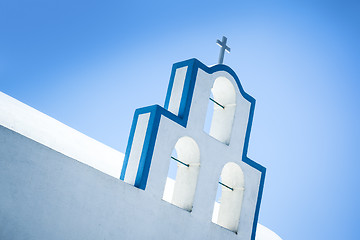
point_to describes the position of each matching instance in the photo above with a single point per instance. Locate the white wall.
(35, 125)
(214, 154)
(57, 183)
(47, 195)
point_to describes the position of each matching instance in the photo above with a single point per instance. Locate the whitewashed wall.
(57, 183)
(41, 128)
(214, 154)
(47, 195)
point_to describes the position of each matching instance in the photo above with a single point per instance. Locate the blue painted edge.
(188, 88)
(157, 111)
(150, 137)
(261, 188)
(129, 144)
(142, 169)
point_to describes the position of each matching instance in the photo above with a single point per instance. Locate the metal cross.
(223, 46)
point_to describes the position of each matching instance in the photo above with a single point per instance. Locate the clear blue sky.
(90, 64)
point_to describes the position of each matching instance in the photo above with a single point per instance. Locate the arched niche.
(185, 163)
(227, 211)
(221, 110)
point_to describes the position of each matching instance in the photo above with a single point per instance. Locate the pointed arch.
(181, 190)
(227, 211)
(221, 110)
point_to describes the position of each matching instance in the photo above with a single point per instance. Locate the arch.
(221, 110)
(226, 213)
(181, 190)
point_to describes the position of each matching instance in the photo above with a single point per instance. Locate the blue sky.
(90, 64)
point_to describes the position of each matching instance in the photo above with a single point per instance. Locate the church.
(185, 173)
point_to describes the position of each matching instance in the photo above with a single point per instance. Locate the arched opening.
(183, 173)
(227, 207)
(221, 110)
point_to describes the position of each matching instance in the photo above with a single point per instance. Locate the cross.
(223, 46)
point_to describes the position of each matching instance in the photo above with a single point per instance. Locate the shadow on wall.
(221, 110)
(187, 157)
(226, 212)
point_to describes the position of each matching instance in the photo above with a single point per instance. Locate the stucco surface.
(238, 214)
(47, 195)
(38, 126)
(57, 183)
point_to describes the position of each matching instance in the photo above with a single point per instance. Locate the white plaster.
(177, 90)
(231, 200)
(136, 149)
(222, 120)
(214, 155)
(35, 125)
(263, 233)
(169, 189)
(48, 195)
(215, 214)
(186, 177)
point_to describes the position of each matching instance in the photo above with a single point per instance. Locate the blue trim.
(155, 115)
(129, 145)
(261, 188)
(148, 148)
(188, 88)
(156, 112)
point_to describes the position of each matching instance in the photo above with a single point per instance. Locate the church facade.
(71, 187)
